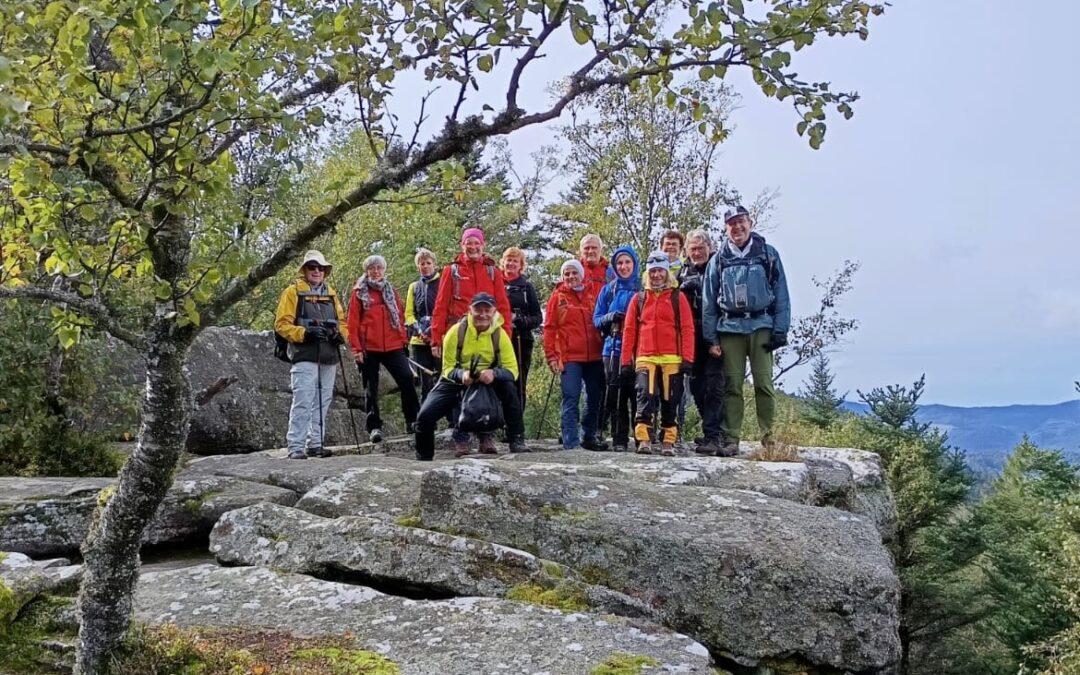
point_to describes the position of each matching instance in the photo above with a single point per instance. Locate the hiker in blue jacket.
(608, 318)
(746, 314)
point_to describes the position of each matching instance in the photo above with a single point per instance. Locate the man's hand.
(555, 365)
(714, 350)
(487, 376)
(778, 340)
(337, 339)
(315, 333)
(466, 378)
(436, 351)
(359, 356)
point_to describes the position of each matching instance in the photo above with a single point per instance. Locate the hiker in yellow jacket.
(477, 336)
(310, 318)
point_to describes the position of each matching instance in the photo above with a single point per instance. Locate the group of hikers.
(629, 338)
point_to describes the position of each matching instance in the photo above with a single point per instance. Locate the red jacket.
(456, 291)
(596, 272)
(369, 328)
(569, 332)
(653, 334)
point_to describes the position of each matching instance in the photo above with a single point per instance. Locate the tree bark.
(111, 549)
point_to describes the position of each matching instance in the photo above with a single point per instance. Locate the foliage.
(821, 405)
(1060, 654)
(21, 650)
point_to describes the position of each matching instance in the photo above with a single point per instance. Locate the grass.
(561, 597)
(621, 663)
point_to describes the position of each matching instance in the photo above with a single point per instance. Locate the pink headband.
(472, 232)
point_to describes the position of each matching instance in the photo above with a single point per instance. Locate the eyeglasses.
(314, 268)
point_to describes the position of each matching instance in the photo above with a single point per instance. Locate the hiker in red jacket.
(573, 349)
(377, 336)
(471, 272)
(658, 345)
(591, 256)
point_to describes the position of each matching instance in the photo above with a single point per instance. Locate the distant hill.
(989, 433)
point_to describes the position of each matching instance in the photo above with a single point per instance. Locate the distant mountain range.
(987, 434)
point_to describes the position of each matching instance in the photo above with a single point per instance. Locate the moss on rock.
(565, 597)
(621, 663)
(349, 661)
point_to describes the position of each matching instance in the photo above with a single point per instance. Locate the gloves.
(617, 317)
(778, 340)
(337, 339)
(315, 333)
(626, 375)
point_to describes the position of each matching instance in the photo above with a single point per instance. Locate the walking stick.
(543, 411)
(348, 399)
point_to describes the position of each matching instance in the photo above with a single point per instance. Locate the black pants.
(422, 355)
(446, 396)
(523, 350)
(707, 388)
(619, 403)
(664, 393)
(397, 364)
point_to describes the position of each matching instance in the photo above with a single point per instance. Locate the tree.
(821, 405)
(122, 125)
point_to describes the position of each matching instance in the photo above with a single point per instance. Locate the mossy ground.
(621, 663)
(170, 650)
(564, 597)
(21, 649)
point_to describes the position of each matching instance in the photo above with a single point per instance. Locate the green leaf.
(705, 73)
(485, 63)
(581, 34)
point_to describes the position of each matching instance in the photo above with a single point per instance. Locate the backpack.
(463, 328)
(456, 277)
(771, 273)
(281, 345)
(641, 295)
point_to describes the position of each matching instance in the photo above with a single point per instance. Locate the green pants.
(737, 349)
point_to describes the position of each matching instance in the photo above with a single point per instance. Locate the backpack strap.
(491, 272)
(462, 328)
(675, 306)
(496, 362)
(456, 277)
(637, 324)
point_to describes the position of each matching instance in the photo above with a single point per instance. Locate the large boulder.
(404, 559)
(457, 636)
(750, 576)
(51, 516)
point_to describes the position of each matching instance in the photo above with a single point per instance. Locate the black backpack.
(281, 345)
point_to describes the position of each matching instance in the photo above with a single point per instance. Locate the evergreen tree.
(821, 404)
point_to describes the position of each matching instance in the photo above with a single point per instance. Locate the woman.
(658, 345)
(572, 347)
(377, 337)
(609, 317)
(471, 272)
(524, 311)
(419, 304)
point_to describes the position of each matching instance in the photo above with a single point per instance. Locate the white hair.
(699, 234)
(373, 260)
(589, 236)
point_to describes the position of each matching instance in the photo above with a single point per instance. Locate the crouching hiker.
(658, 345)
(476, 349)
(377, 337)
(310, 318)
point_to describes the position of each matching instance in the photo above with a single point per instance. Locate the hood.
(602, 262)
(634, 282)
(496, 323)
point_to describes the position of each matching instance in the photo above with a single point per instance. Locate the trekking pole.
(417, 366)
(543, 411)
(348, 399)
(521, 377)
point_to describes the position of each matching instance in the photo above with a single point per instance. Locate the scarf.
(363, 285)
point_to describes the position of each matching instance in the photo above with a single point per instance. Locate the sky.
(955, 187)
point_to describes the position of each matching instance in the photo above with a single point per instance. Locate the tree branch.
(98, 313)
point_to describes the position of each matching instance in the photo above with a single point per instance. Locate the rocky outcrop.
(51, 516)
(406, 559)
(457, 636)
(750, 576)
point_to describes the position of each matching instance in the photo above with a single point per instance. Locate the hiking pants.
(737, 349)
(707, 388)
(619, 403)
(658, 386)
(523, 351)
(422, 355)
(304, 415)
(397, 365)
(446, 396)
(576, 374)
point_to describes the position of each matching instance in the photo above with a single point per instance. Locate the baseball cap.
(482, 299)
(739, 210)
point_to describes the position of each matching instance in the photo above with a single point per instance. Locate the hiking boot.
(487, 446)
(518, 446)
(461, 448)
(319, 452)
(730, 448)
(297, 454)
(643, 448)
(667, 449)
(768, 442)
(375, 435)
(707, 448)
(620, 448)
(594, 444)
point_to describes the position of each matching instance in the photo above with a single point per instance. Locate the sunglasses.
(312, 268)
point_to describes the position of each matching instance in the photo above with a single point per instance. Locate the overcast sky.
(955, 185)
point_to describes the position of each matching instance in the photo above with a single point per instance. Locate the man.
(478, 336)
(746, 313)
(591, 257)
(658, 345)
(671, 243)
(707, 376)
(310, 317)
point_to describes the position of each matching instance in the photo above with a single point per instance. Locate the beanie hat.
(472, 232)
(657, 260)
(572, 264)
